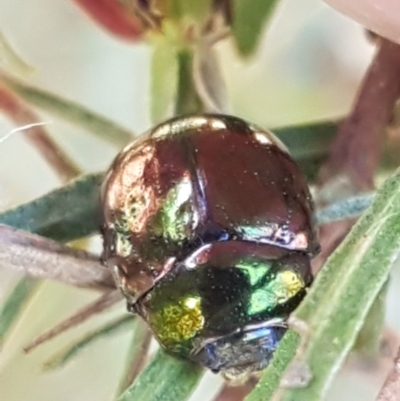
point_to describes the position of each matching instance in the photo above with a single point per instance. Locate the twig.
(104, 302)
(357, 146)
(346, 209)
(21, 114)
(356, 149)
(391, 389)
(77, 346)
(43, 258)
(235, 393)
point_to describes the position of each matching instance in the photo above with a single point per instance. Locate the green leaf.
(249, 19)
(10, 60)
(164, 79)
(369, 339)
(70, 352)
(164, 379)
(71, 112)
(309, 144)
(64, 214)
(14, 303)
(338, 303)
(271, 377)
(308, 140)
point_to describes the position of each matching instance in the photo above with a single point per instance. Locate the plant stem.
(391, 389)
(357, 146)
(187, 100)
(43, 258)
(235, 393)
(356, 149)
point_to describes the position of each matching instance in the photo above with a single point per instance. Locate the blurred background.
(307, 67)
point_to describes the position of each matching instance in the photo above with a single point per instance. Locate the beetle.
(209, 231)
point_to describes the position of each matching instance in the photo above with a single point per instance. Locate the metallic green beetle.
(209, 230)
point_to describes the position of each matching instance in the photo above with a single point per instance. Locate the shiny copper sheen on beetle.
(208, 227)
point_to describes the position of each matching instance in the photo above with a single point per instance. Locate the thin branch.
(391, 389)
(21, 114)
(235, 393)
(101, 304)
(43, 258)
(77, 346)
(346, 209)
(357, 146)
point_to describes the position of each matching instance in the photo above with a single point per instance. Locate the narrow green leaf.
(309, 144)
(164, 79)
(71, 112)
(308, 140)
(14, 303)
(10, 60)
(271, 377)
(369, 339)
(249, 20)
(77, 347)
(64, 214)
(165, 379)
(341, 298)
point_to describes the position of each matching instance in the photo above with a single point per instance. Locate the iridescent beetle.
(208, 227)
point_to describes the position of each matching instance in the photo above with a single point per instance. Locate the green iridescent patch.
(283, 286)
(177, 214)
(177, 323)
(193, 305)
